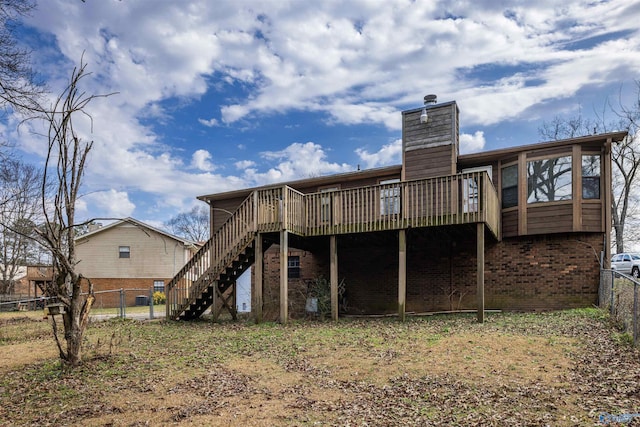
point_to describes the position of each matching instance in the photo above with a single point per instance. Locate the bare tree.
(192, 225)
(19, 208)
(626, 158)
(19, 88)
(66, 159)
(624, 155)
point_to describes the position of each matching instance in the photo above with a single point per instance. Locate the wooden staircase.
(220, 289)
(210, 275)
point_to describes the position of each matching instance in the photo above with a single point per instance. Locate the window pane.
(124, 251)
(158, 286)
(510, 176)
(591, 176)
(549, 180)
(293, 264)
(509, 197)
(510, 186)
(390, 198)
(470, 195)
(591, 165)
(389, 201)
(325, 207)
(590, 187)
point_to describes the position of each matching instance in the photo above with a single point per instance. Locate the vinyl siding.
(152, 254)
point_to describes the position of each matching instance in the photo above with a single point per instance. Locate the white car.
(626, 263)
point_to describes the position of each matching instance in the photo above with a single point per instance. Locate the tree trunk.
(75, 324)
(619, 238)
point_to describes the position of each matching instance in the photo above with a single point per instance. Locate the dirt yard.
(557, 369)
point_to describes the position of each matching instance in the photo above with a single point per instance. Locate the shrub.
(320, 289)
(159, 298)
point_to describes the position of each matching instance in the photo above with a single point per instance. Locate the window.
(510, 186)
(293, 264)
(158, 286)
(325, 208)
(125, 251)
(390, 198)
(470, 198)
(471, 187)
(549, 180)
(591, 176)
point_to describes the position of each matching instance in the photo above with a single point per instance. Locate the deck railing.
(448, 200)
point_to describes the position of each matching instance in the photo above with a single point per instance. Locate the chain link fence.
(122, 303)
(618, 293)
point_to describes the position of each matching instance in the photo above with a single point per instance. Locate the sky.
(214, 96)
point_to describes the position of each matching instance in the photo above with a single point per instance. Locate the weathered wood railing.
(447, 200)
(203, 268)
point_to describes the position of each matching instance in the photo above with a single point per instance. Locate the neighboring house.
(13, 278)
(35, 280)
(521, 228)
(130, 255)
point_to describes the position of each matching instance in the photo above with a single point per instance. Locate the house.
(521, 228)
(12, 279)
(35, 280)
(130, 255)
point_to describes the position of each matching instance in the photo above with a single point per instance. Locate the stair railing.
(206, 265)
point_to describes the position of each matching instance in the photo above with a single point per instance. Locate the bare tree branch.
(625, 156)
(66, 157)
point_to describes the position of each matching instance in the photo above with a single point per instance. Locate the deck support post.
(215, 308)
(333, 273)
(258, 276)
(480, 270)
(402, 273)
(284, 276)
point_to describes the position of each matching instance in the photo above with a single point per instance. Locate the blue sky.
(216, 96)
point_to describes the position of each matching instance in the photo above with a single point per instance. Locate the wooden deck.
(468, 198)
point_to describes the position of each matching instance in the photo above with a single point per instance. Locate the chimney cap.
(430, 99)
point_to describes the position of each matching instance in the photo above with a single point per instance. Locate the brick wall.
(521, 273)
(311, 265)
(130, 286)
(544, 272)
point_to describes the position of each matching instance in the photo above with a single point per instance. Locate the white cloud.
(471, 143)
(107, 204)
(213, 122)
(359, 62)
(296, 161)
(201, 160)
(389, 154)
(244, 164)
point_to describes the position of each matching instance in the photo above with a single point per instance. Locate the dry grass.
(517, 369)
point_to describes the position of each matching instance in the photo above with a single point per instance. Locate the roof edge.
(614, 136)
(345, 176)
(138, 223)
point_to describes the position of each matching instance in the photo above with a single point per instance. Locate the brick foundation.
(528, 273)
(311, 265)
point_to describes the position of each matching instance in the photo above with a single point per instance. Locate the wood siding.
(151, 254)
(430, 149)
(592, 216)
(510, 223)
(429, 163)
(543, 218)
